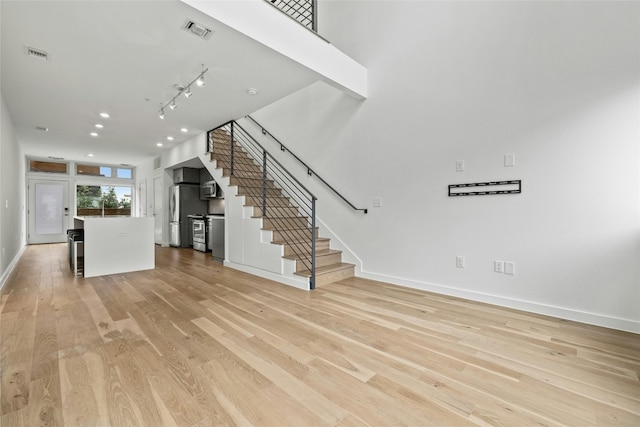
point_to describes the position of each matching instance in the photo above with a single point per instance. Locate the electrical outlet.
(510, 268)
(460, 261)
(459, 165)
(498, 266)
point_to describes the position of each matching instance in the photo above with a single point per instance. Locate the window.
(126, 173)
(50, 167)
(103, 200)
(105, 171)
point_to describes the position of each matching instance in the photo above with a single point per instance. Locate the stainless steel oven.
(200, 235)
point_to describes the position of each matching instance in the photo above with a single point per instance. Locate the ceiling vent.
(42, 128)
(197, 29)
(36, 53)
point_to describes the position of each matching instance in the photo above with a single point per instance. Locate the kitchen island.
(117, 244)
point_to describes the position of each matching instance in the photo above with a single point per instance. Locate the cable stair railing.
(286, 206)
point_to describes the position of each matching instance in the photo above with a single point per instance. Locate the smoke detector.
(197, 29)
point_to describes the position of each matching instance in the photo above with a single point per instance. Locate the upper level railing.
(303, 11)
(286, 206)
(310, 171)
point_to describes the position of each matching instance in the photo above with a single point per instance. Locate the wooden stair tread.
(324, 252)
(326, 269)
(296, 241)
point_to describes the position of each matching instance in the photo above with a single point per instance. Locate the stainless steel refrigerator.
(183, 200)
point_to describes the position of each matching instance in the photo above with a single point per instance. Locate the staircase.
(279, 213)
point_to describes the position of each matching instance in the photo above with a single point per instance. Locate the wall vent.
(36, 53)
(197, 29)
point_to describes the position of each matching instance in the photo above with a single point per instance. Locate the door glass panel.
(49, 209)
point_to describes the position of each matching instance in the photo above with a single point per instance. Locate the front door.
(48, 211)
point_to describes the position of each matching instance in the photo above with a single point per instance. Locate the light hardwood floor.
(192, 343)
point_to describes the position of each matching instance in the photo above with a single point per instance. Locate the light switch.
(509, 160)
(459, 165)
(510, 268)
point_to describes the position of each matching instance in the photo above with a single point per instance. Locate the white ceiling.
(124, 58)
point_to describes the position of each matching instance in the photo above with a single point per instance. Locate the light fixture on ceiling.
(90, 155)
(169, 138)
(99, 125)
(185, 130)
(252, 91)
(94, 134)
(105, 115)
(183, 90)
(159, 144)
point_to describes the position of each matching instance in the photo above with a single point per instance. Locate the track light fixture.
(186, 91)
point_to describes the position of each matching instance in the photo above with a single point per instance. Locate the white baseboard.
(627, 325)
(10, 267)
(300, 283)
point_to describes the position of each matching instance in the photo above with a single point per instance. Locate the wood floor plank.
(79, 405)
(192, 343)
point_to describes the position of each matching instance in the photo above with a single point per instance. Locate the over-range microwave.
(208, 190)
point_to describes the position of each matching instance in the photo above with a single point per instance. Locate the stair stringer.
(248, 247)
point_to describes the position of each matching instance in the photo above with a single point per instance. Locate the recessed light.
(169, 138)
(94, 134)
(105, 115)
(159, 144)
(90, 155)
(99, 126)
(184, 130)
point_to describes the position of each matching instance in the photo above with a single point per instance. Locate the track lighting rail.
(186, 91)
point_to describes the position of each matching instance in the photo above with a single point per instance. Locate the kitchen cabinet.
(205, 176)
(186, 176)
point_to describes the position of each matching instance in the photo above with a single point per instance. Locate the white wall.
(555, 83)
(12, 195)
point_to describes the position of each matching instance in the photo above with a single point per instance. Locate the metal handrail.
(310, 171)
(273, 190)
